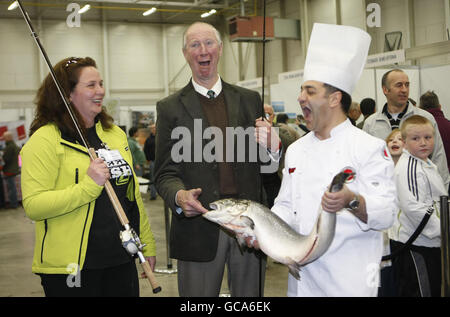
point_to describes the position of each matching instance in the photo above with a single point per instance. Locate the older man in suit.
(188, 181)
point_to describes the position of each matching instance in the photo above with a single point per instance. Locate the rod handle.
(150, 276)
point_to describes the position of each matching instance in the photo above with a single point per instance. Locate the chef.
(366, 205)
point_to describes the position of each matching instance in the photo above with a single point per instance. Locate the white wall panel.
(179, 71)
(135, 55)
(353, 13)
(436, 79)
(61, 42)
(18, 56)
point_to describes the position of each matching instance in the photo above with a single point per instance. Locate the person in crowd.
(417, 269)
(290, 133)
(78, 250)
(189, 185)
(11, 168)
(136, 152)
(271, 181)
(354, 112)
(367, 203)
(429, 101)
(395, 144)
(395, 84)
(287, 134)
(149, 151)
(2, 194)
(367, 107)
(387, 287)
(300, 121)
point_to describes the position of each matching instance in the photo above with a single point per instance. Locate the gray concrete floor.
(16, 254)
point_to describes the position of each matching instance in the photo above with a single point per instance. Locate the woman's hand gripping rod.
(130, 240)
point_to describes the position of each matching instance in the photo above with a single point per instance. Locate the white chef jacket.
(350, 267)
(419, 187)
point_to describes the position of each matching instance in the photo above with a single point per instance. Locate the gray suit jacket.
(195, 238)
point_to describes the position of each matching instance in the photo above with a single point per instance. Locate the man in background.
(395, 84)
(367, 107)
(429, 101)
(136, 152)
(354, 112)
(11, 168)
(149, 151)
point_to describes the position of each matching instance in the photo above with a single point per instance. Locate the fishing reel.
(130, 241)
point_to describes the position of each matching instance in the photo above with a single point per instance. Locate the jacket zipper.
(43, 240)
(82, 235)
(76, 175)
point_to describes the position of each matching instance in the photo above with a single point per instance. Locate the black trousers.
(118, 281)
(417, 271)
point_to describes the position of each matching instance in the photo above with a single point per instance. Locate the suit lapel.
(191, 103)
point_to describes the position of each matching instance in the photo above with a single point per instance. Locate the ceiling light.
(207, 14)
(148, 12)
(13, 5)
(84, 9)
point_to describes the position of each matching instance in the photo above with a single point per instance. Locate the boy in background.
(419, 186)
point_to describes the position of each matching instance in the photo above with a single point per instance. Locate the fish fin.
(248, 221)
(294, 268)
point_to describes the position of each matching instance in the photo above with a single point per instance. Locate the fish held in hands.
(275, 237)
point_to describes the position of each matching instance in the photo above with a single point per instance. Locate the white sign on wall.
(296, 74)
(383, 59)
(251, 83)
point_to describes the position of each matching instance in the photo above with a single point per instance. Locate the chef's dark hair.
(346, 99)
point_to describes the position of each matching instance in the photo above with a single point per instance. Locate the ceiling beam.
(195, 3)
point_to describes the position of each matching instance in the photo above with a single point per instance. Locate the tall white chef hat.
(336, 55)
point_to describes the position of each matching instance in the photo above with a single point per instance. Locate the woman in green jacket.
(78, 251)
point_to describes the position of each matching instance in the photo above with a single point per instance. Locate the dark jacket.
(149, 148)
(195, 239)
(11, 159)
(444, 130)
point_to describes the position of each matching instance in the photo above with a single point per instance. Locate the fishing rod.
(261, 263)
(263, 57)
(130, 239)
(445, 250)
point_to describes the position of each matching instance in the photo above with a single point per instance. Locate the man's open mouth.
(306, 112)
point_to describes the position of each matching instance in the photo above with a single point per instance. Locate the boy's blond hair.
(415, 119)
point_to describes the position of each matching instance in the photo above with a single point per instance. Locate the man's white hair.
(217, 33)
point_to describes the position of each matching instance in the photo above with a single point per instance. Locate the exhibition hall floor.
(16, 254)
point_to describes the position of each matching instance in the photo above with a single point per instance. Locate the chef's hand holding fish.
(336, 201)
(188, 201)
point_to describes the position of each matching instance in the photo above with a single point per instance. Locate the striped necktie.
(211, 94)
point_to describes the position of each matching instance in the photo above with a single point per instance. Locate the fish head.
(227, 211)
(340, 179)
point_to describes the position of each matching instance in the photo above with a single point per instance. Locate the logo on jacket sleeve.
(291, 170)
(386, 154)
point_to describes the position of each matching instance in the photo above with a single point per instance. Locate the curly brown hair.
(50, 106)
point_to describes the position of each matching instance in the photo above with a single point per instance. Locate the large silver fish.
(275, 237)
